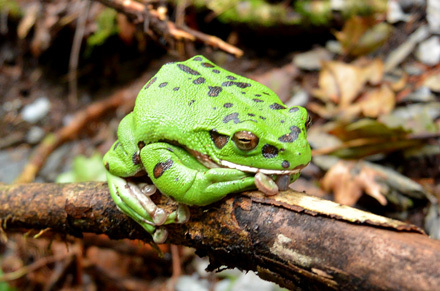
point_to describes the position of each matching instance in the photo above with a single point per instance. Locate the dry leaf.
(349, 180)
(373, 72)
(341, 82)
(378, 101)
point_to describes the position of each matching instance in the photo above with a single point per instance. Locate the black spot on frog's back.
(207, 65)
(232, 116)
(188, 70)
(214, 91)
(277, 106)
(150, 83)
(238, 84)
(199, 80)
(292, 136)
(293, 109)
(228, 105)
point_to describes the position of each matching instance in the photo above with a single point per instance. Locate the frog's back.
(198, 95)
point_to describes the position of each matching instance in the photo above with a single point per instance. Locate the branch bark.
(287, 238)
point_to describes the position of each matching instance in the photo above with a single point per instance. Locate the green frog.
(201, 132)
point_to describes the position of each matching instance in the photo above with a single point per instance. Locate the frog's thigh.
(165, 166)
(179, 175)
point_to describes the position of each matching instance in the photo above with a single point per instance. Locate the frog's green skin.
(200, 133)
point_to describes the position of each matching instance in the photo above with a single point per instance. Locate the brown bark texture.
(296, 246)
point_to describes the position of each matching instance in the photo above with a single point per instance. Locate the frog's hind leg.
(134, 199)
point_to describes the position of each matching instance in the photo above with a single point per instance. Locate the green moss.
(11, 7)
(107, 26)
(302, 13)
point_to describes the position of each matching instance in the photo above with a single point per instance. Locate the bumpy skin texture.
(201, 132)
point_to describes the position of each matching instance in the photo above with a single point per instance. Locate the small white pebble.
(428, 51)
(34, 135)
(36, 111)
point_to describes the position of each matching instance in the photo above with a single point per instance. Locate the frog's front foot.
(134, 200)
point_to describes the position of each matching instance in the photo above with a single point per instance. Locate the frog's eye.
(308, 122)
(245, 140)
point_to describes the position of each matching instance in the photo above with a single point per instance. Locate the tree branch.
(158, 23)
(292, 239)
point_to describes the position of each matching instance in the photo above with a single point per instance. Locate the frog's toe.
(147, 189)
(159, 216)
(183, 213)
(160, 235)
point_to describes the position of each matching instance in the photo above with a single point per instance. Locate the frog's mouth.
(249, 169)
(209, 163)
(268, 181)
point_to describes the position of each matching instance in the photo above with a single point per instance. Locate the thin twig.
(76, 48)
(34, 266)
(135, 10)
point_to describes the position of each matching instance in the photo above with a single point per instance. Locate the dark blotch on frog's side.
(199, 80)
(282, 121)
(262, 117)
(176, 88)
(220, 140)
(197, 59)
(163, 84)
(136, 159)
(266, 93)
(238, 84)
(141, 144)
(207, 65)
(216, 71)
(232, 116)
(258, 95)
(293, 109)
(150, 83)
(285, 164)
(191, 102)
(251, 114)
(231, 78)
(257, 100)
(277, 106)
(214, 91)
(116, 145)
(269, 151)
(160, 168)
(292, 136)
(188, 70)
